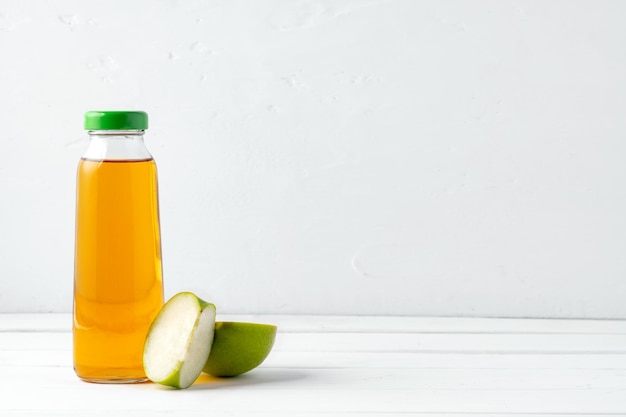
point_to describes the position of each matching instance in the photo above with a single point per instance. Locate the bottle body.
(118, 285)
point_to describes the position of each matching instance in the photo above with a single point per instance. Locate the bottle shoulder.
(117, 148)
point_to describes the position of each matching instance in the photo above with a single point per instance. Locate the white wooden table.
(347, 366)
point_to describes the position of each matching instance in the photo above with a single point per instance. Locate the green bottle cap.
(116, 120)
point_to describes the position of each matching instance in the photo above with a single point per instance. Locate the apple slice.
(239, 347)
(179, 341)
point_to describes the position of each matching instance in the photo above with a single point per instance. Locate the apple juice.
(118, 288)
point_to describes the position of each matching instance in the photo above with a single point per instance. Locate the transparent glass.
(118, 284)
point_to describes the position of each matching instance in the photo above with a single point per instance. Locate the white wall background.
(346, 157)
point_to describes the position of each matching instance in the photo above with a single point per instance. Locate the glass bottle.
(118, 285)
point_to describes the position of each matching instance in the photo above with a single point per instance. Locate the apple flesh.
(179, 341)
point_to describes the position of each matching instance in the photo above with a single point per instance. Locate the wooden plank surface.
(347, 366)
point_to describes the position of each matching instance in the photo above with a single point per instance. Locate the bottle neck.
(116, 145)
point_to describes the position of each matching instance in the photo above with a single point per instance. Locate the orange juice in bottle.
(118, 284)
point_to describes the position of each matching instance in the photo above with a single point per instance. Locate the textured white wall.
(348, 156)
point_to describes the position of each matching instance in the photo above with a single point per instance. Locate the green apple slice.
(179, 341)
(239, 347)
